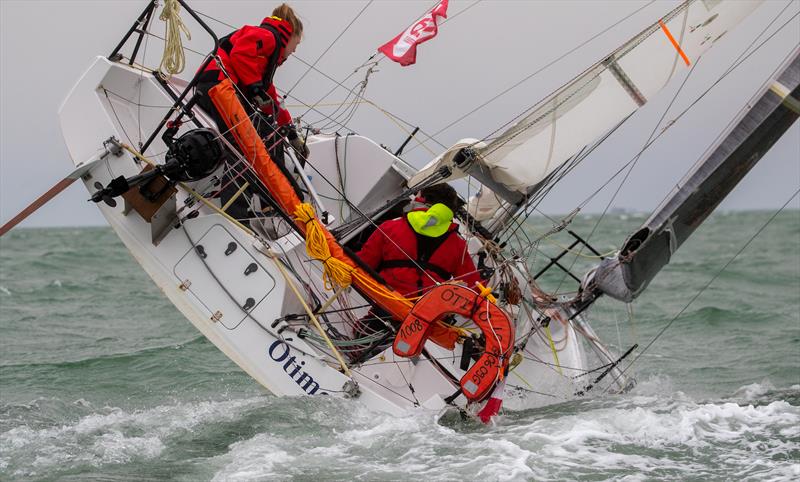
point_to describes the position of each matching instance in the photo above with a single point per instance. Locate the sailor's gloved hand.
(260, 101)
(298, 143)
(257, 95)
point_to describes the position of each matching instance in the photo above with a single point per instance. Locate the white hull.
(211, 291)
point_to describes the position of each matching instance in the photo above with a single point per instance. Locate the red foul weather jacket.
(392, 247)
(250, 55)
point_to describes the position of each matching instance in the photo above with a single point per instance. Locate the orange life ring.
(493, 322)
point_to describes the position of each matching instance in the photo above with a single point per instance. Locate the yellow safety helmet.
(432, 223)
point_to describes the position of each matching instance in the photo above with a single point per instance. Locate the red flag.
(494, 403)
(403, 48)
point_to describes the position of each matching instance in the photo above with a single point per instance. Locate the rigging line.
(521, 388)
(410, 386)
(141, 79)
(559, 174)
(713, 278)
(338, 83)
(340, 111)
(314, 109)
(329, 47)
(350, 204)
(764, 30)
(382, 57)
(633, 165)
(131, 102)
(356, 372)
(366, 99)
(521, 216)
(296, 57)
(408, 133)
(354, 106)
(682, 113)
(372, 56)
(116, 116)
(151, 34)
(727, 71)
(348, 108)
(545, 67)
(453, 17)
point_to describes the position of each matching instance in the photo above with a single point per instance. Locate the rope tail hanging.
(337, 272)
(174, 60)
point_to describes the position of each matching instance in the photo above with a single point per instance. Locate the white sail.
(592, 104)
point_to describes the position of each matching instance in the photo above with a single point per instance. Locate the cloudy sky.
(484, 48)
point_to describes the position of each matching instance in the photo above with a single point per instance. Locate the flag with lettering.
(403, 48)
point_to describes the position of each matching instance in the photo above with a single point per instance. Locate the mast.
(775, 108)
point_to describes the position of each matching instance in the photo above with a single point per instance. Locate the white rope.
(174, 61)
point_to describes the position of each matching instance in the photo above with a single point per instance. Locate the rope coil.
(336, 273)
(174, 60)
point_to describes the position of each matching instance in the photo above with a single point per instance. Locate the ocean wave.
(110, 436)
(112, 359)
(637, 437)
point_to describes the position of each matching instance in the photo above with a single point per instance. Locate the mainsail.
(608, 92)
(759, 126)
(519, 162)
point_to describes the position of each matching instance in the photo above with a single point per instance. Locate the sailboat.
(283, 294)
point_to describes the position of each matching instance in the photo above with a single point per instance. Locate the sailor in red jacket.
(415, 252)
(250, 56)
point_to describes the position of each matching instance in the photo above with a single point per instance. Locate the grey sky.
(46, 45)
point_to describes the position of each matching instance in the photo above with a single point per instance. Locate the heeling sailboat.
(290, 324)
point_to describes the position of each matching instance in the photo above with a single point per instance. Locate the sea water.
(102, 379)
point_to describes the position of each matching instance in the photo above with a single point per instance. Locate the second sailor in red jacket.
(415, 252)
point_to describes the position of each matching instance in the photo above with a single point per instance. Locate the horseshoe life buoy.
(493, 322)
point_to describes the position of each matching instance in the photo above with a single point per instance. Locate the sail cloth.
(582, 111)
(224, 97)
(649, 249)
(403, 48)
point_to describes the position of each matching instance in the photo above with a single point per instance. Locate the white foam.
(255, 458)
(637, 438)
(733, 432)
(753, 391)
(111, 437)
(5, 290)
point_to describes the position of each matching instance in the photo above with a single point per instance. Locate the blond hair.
(286, 12)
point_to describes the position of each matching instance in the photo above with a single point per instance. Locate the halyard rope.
(174, 61)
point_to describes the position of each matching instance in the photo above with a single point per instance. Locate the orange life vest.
(445, 299)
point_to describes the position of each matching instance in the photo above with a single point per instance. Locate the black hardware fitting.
(231, 248)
